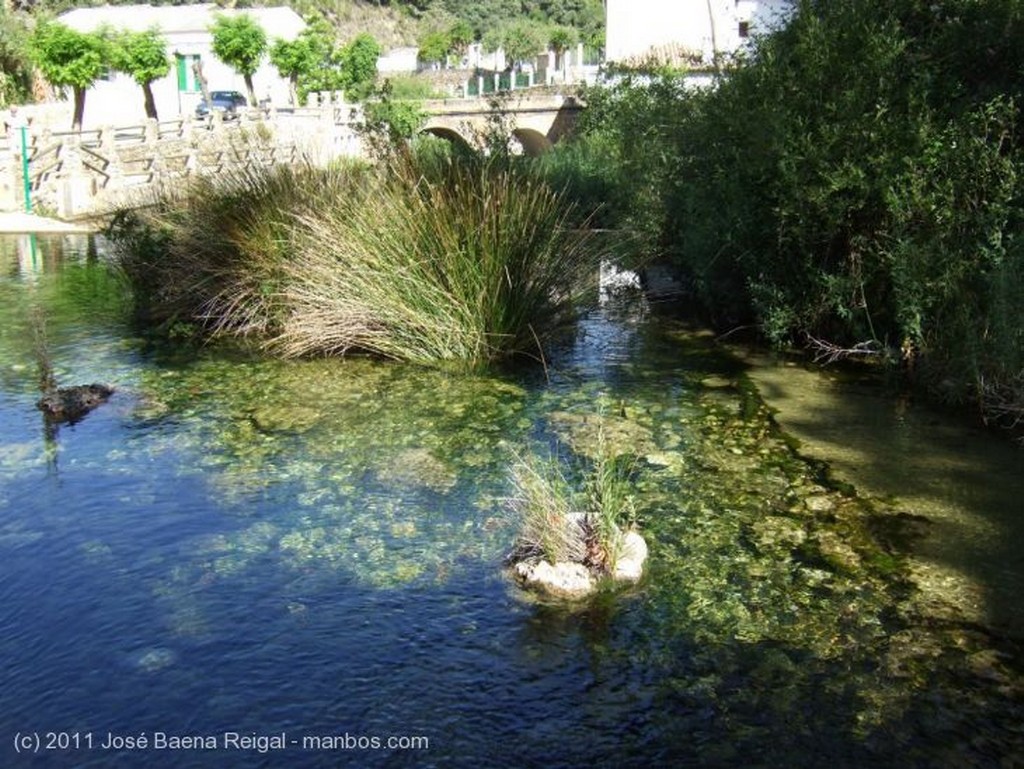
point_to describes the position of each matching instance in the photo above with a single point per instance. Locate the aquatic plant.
(542, 503)
(211, 253)
(583, 522)
(462, 261)
(475, 264)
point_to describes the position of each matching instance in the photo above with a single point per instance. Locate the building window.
(744, 29)
(187, 81)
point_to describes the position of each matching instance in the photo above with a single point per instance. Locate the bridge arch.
(533, 142)
(448, 134)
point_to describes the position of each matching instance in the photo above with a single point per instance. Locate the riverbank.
(15, 222)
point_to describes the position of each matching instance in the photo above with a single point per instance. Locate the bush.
(851, 185)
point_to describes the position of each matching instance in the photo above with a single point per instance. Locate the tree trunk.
(204, 87)
(293, 89)
(147, 92)
(714, 36)
(76, 120)
(251, 90)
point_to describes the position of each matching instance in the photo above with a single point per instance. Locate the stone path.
(16, 222)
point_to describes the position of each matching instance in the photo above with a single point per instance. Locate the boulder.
(563, 579)
(629, 565)
(69, 404)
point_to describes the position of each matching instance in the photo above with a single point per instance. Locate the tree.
(240, 42)
(358, 62)
(522, 41)
(143, 56)
(293, 59)
(15, 62)
(434, 47)
(69, 59)
(460, 35)
(561, 39)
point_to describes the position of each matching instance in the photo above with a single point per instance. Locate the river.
(243, 561)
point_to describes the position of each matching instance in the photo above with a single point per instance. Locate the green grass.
(451, 260)
(581, 520)
(474, 265)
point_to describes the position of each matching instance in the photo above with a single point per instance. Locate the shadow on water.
(314, 547)
(954, 490)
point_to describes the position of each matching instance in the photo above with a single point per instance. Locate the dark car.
(226, 102)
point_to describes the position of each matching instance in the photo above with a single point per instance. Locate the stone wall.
(79, 174)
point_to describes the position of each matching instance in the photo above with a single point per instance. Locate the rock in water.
(630, 563)
(563, 579)
(69, 404)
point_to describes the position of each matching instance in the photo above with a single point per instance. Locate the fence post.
(26, 182)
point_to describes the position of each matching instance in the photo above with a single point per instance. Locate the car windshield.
(225, 95)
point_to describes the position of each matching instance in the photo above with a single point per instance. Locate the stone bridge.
(535, 120)
(75, 174)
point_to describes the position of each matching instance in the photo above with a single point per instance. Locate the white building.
(118, 100)
(691, 29)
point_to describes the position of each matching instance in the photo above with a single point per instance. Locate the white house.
(639, 29)
(186, 28)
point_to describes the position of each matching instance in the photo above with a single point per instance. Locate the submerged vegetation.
(442, 261)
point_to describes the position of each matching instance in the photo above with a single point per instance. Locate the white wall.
(119, 100)
(634, 27)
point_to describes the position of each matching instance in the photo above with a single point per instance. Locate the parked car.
(226, 102)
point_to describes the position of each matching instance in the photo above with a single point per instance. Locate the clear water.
(314, 549)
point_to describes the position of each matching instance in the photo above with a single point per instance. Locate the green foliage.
(69, 58)
(295, 59)
(522, 40)
(212, 254)
(15, 58)
(470, 267)
(851, 184)
(561, 39)
(143, 56)
(434, 47)
(358, 63)
(240, 42)
(573, 512)
(472, 264)
(389, 122)
(413, 87)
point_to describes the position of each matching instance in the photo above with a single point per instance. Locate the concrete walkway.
(16, 222)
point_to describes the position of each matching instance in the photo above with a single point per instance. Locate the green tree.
(69, 59)
(143, 56)
(240, 42)
(389, 123)
(294, 59)
(560, 40)
(358, 63)
(460, 35)
(15, 60)
(522, 41)
(434, 47)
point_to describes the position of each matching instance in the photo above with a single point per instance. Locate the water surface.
(234, 544)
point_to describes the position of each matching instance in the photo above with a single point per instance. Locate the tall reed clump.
(212, 254)
(475, 263)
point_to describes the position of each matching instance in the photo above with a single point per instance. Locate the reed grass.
(583, 520)
(212, 252)
(475, 263)
(449, 260)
